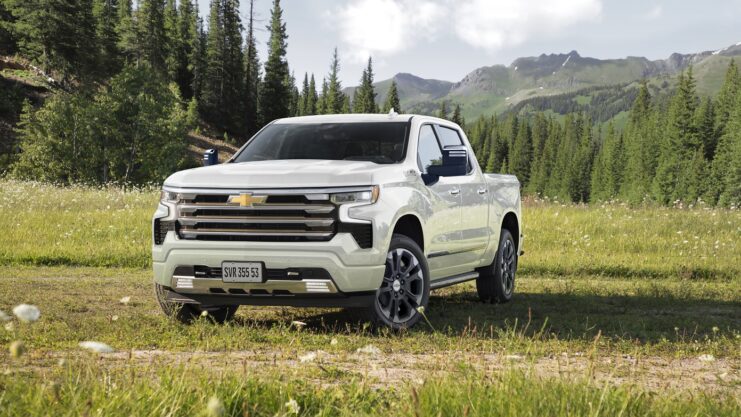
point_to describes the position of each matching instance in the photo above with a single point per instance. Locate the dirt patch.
(381, 369)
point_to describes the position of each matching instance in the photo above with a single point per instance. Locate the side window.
(428, 152)
(449, 137)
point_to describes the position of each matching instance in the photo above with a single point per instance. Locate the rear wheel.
(405, 286)
(496, 282)
(186, 313)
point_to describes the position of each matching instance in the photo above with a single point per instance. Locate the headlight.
(169, 197)
(369, 196)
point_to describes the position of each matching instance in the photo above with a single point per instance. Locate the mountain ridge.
(497, 88)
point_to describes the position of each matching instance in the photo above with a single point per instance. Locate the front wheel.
(186, 313)
(405, 287)
(496, 282)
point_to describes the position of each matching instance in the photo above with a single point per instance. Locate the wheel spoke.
(402, 288)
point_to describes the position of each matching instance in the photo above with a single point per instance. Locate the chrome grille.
(274, 217)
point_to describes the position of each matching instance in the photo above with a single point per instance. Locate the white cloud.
(654, 13)
(385, 27)
(370, 27)
(495, 24)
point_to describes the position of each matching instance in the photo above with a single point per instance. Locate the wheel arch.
(511, 222)
(410, 226)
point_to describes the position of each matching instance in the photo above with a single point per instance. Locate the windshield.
(382, 143)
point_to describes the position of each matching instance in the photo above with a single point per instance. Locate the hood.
(277, 174)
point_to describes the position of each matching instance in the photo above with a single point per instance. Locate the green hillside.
(534, 82)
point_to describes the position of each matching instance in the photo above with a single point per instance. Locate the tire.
(187, 313)
(405, 286)
(496, 282)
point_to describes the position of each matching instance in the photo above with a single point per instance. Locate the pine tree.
(312, 99)
(722, 157)
(173, 42)
(726, 166)
(106, 18)
(186, 48)
(678, 145)
(442, 113)
(458, 117)
(8, 41)
(706, 129)
(294, 101)
(127, 33)
(304, 97)
(334, 99)
(223, 89)
(150, 20)
(252, 77)
(59, 35)
(522, 154)
(274, 93)
(392, 99)
(608, 167)
(542, 171)
(641, 143)
(197, 60)
(727, 96)
(321, 105)
(365, 95)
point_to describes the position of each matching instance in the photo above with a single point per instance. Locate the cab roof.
(347, 118)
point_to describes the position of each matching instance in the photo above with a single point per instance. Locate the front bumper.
(349, 269)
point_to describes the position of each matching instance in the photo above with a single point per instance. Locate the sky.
(447, 39)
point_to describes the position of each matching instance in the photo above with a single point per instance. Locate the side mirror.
(211, 157)
(455, 162)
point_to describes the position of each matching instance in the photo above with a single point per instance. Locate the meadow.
(618, 311)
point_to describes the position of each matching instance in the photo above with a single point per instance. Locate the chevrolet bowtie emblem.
(247, 199)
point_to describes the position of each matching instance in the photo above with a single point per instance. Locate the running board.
(455, 279)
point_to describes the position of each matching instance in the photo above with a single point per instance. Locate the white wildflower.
(333, 342)
(27, 313)
(204, 313)
(292, 406)
(125, 300)
(298, 324)
(114, 318)
(96, 347)
(3, 316)
(215, 408)
(706, 358)
(17, 349)
(369, 350)
(421, 309)
(309, 357)
(715, 329)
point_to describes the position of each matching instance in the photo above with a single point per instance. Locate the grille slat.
(309, 208)
(192, 221)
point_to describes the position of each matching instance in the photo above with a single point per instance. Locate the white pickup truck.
(370, 211)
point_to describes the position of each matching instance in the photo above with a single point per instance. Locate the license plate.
(241, 271)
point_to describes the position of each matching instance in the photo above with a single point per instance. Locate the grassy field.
(618, 311)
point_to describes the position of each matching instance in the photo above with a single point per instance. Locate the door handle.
(455, 191)
(483, 191)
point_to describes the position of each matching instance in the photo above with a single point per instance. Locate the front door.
(444, 222)
(474, 205)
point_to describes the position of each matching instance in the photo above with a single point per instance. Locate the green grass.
(610, 301)
(81, 388)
